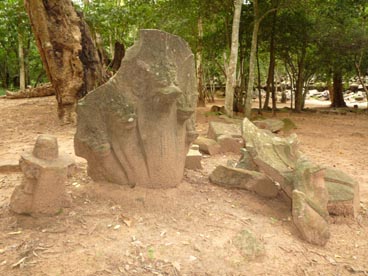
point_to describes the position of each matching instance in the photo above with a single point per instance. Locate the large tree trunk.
(67, 51)
(231, 73)
(338, 98)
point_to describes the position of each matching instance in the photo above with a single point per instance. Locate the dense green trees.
(298, 40)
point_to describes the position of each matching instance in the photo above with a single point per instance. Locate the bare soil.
(189, 230)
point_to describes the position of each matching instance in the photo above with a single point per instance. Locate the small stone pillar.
(42, 191)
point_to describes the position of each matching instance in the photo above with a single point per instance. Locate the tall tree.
(67, 51)
(252, 58)
(231, 71)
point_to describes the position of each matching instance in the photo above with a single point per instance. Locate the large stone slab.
(136, 128)
(244, 179)
(216, 129)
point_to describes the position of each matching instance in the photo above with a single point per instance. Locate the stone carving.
(136, 129)
(315, 191)
(42, 191)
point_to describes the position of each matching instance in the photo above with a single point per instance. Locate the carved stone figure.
(42, 191)
(136, 128)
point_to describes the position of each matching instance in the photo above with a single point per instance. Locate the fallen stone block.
(229, 143)
(244, 179)
(208, 146)
(312, 226)
(344, 197)
(272, 125)
(216, 129)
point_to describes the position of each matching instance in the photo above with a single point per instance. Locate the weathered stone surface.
(194, 157)
(246, 161)
(229, 143)
(310, 197)
(136, 128)
(244, 179)
(315, 192)
(272, 125)
(313, 227)
(215, 129)
(208, 146)
(9, 165)
(248, 245)
(42, 191)
(275, 156)
(344, 197)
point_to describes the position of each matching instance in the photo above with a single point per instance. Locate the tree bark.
(300, 81)
(67, 51)
(338, 98)
(22, 71)
(119, 53)
(231, 73)
(39, 91)
(201, 94)
(249, 94)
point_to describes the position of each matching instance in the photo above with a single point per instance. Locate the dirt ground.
(189, 230)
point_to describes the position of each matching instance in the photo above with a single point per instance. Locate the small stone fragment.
(193, 160)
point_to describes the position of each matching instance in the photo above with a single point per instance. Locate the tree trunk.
(68, 53)
(201, 94)
(43, 90)
(249, 93)
(119, 53)
(300, 82)
(259, 83)
(338, 98)
(231, 73)
(22, 71)
(271, 68)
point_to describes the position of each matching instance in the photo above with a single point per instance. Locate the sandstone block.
(272, 125)
(244, 179)
(208, 146)
(42, 191)
(193, 160)
(215, 129)
(230, 144)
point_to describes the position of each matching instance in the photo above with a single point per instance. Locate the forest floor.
(189, 230)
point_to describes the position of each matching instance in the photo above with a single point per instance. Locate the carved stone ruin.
(136, 129)
(42, 191)
(315, 192)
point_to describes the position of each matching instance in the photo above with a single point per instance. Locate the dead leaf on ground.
(127, 221)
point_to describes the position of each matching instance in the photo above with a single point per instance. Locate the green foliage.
(14, 25)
